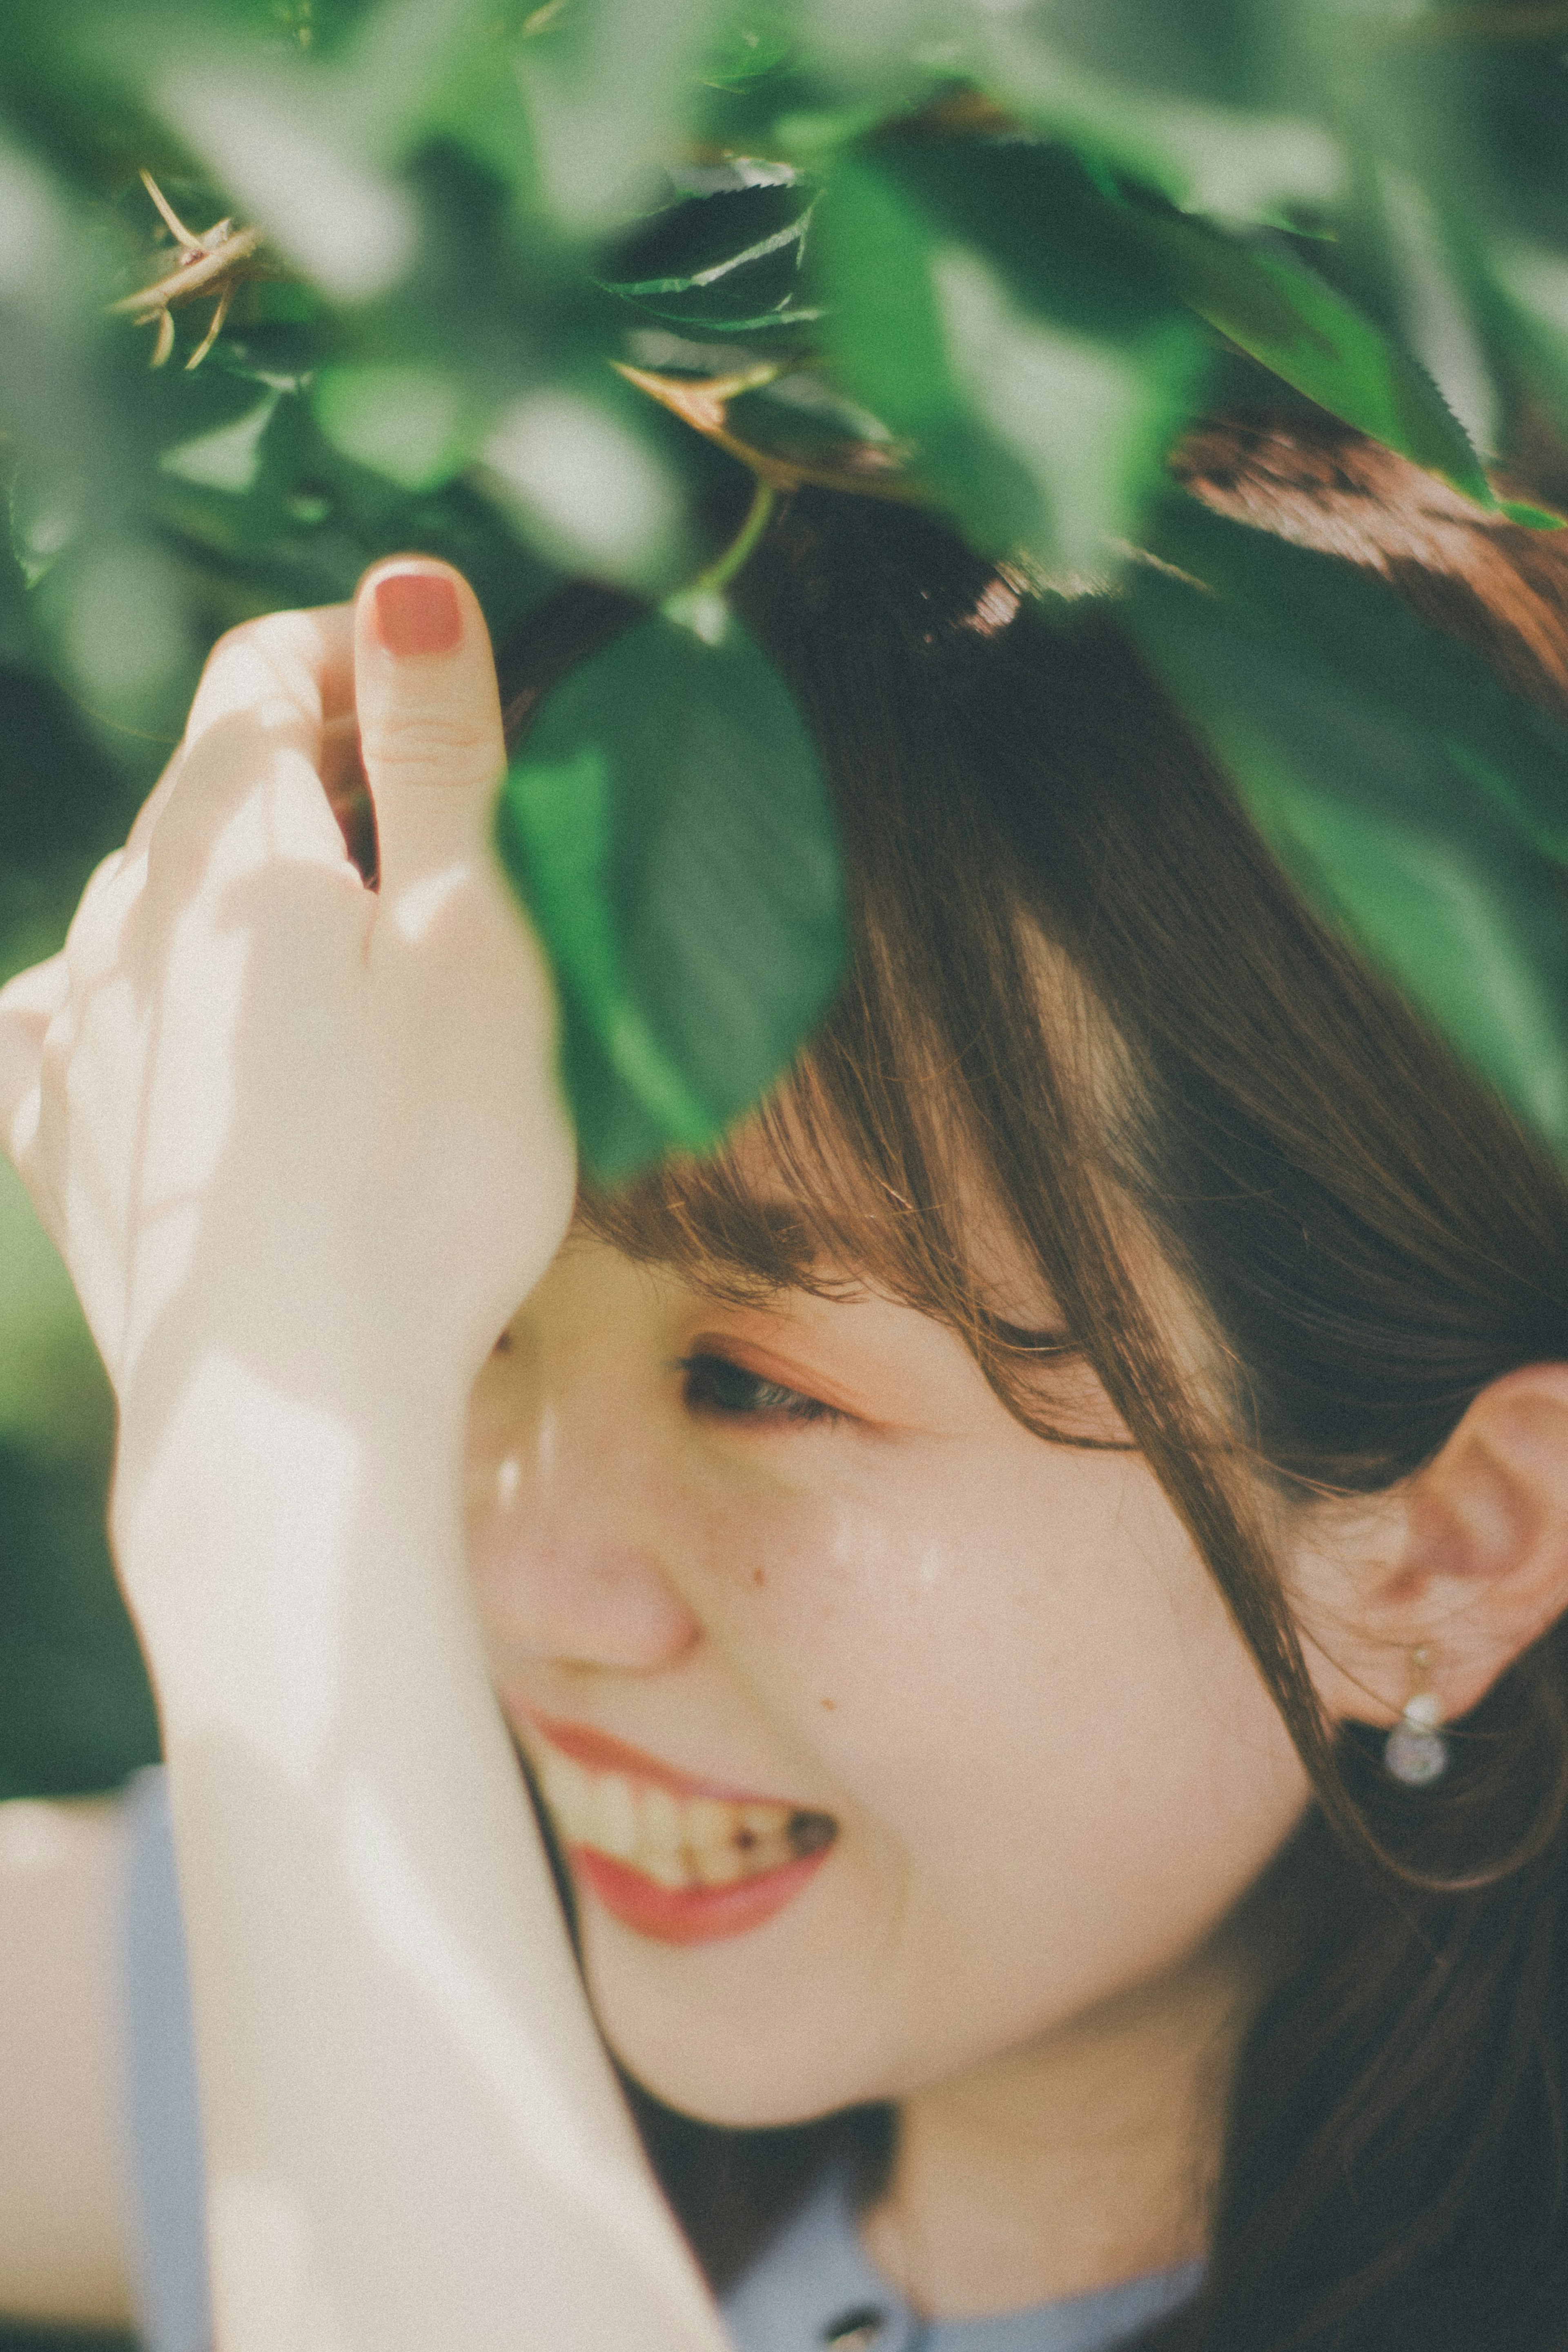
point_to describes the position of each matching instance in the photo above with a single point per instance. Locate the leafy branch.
(544, 290)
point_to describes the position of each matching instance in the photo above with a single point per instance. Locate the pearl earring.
(1416, 1750)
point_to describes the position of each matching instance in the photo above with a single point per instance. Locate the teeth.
(663, 1827)
(720, 1865)
(676, 1841)
(617, 1816)
(709, 1824)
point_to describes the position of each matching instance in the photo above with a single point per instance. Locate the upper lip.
(601, 1752)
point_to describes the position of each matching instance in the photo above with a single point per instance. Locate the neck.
(1084, 2159)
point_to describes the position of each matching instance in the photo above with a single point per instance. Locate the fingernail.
(417, 613)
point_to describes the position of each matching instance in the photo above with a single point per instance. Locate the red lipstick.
(691, 1914)
(600, 1753)
(730, 1877)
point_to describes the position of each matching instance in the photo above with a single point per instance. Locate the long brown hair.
(1082, 985)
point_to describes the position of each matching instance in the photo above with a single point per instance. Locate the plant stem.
(721, 571)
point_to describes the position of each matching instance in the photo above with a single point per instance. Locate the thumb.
(430, 719)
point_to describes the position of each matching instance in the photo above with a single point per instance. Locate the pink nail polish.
(417, 613)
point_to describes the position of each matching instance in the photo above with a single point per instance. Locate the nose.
(565, 1564)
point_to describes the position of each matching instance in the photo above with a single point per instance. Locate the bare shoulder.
(63, 2211)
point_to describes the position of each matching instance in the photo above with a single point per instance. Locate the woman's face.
(883, 1737)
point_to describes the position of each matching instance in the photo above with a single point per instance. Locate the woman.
(1029, 1590)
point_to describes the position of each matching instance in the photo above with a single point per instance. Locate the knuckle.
(267, 629)
(235, 640)
(431, 747)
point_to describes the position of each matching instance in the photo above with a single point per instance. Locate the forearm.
(412, 2129)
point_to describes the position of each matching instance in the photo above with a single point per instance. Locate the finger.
(330, 645)
(308, 658)
(27, 1005)
(249, 772)
(430, 722)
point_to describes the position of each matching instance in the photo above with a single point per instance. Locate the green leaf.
(1282, 314)
(990, 309)
(419, 69)
(584, 473)
(1415, 803)
(667, 825)
(1361, 634)
(1229, 162)
(721, 264)
(228, 459)
(418, 425)
(609, 84)
(756, 41)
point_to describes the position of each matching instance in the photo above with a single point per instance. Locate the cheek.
(1046, 1738)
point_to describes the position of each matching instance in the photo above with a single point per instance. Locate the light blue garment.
(814, 2288)
(810, 2289)
(165, 2124)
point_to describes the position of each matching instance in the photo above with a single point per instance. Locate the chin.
(750, 2063)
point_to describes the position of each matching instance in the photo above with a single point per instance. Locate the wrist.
(254, 1524)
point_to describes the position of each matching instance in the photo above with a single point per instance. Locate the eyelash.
(709, 1376)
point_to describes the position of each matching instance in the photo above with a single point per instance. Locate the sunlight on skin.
(424, 903)
(260, 2235)
(193, 1125)
(35, 1836)
(244, 1119)
(518, 2062)
(267, 1674)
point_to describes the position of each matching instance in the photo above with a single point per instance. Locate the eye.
(716, 1385)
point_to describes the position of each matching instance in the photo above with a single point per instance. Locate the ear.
(1468, 1560)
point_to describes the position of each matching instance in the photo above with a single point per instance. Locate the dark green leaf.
(1364, 637)
(721, 264)
(667, 825)
(707, 237)
(1237, 162)
(1288, 319)
(1040, 382)
(1415, 802)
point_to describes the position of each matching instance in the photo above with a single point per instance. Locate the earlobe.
(1482, 1570)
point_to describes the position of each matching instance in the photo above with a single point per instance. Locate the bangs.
(1100, 1094)
(875, 1166)
(960, 1136)
(810, 1197)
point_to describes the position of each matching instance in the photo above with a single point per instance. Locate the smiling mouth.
(683, 1844)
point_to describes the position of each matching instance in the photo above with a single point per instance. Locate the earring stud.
(1416, 1751)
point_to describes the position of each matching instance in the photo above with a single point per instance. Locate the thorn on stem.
(220, 312)
(176, 226)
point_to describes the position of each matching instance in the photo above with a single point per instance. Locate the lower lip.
(691, 1914)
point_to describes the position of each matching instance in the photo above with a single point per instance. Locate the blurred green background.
(76, 1714)
(75, 1711)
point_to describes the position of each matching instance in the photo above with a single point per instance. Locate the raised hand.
(299, 1143)
(263, 1109)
